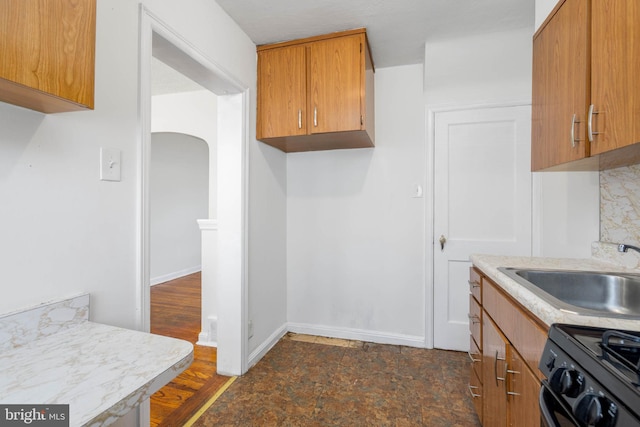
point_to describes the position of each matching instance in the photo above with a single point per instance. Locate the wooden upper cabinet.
(560, 88)
(316, 93)
(585, 63)
(47, 54)
(282, 103)
(615, 92)
(336, 81)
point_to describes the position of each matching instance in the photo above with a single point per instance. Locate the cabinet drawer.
(475, 357)
(520, 328)
(475, 321)
(475, 284)
(475, 391)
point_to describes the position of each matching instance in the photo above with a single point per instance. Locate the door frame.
(232, 215)
(431, 111)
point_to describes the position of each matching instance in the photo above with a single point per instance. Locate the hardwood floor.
(175, 312)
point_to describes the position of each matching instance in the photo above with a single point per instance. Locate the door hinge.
(361, 120)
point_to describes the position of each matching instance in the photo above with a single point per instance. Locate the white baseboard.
(175, 275)
(332, 332)
(203, 340)
(358, 334)
(267, 345)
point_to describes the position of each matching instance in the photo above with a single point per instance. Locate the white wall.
(483, 69)
(178, 197)
(64, 231)
(192, 113)
(543, 8)
(355, 236)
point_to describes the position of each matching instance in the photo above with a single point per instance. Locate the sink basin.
(593, 293)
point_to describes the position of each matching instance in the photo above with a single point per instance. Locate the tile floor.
(311, 381)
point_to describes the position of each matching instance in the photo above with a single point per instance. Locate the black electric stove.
(593, 377)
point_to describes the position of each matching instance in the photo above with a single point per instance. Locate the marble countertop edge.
(52, 354)
(544, 311)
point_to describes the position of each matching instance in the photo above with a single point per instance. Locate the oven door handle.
(549, 419)
(548, 401)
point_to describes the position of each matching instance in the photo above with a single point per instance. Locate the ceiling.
(396, 29)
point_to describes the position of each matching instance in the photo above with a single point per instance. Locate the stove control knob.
(550, 362)
(567, 381)
(596, 411)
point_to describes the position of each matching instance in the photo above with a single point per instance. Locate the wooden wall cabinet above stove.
(586, 100)
(316, 93)
(47, 54)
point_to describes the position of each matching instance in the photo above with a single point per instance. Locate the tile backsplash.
(619, 215)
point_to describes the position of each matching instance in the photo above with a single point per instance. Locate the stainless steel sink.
(593, 293)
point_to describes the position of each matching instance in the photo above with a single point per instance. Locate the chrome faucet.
(624, 248)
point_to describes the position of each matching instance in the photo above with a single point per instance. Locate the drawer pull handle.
(474, 318)
(474, 284)
(471, 388)
(471, 357)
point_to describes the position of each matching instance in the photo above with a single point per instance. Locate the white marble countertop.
(101, 371)
(543, 310)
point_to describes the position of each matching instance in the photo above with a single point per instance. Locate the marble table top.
(52, 354)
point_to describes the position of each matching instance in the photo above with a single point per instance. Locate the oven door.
(553, 412)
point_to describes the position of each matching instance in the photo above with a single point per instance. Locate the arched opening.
(178, 198)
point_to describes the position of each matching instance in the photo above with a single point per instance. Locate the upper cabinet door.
(282, 107)
(337, 76)
(560, 80)
(615, 92)
(47, 54)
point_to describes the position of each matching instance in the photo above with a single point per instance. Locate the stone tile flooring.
(311, 381)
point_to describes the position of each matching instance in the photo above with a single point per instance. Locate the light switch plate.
(416, 191)
(109, 164)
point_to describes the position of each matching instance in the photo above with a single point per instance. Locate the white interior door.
(482, 204)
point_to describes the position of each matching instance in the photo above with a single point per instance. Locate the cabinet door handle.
(299, 119)
(474, 284)
(507, 371)
(495, 369)
(590, 131)
(574, 122)
(315, 116)
(471, 388)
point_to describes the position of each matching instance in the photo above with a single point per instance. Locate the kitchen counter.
(544, 311)
(52, 354)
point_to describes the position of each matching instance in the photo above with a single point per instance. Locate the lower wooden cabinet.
(523, 388)
(494, 357)
(503, 384)
(475, 341)
(475, 390)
